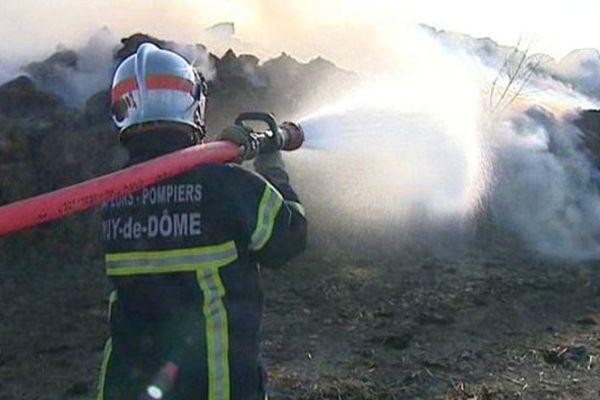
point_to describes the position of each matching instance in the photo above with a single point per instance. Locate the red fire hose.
(55, 205)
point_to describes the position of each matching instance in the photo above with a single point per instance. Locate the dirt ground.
(483, 325)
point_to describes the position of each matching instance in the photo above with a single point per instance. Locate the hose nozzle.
(287, 136)
(292, 136)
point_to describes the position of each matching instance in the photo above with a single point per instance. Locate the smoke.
(75, 75)
(546, 189)
(419, 146)
(426, 149)
(401, 158)
(94, 67)
(581, 69)
(199, 57)
(93, 71)
(78, 74)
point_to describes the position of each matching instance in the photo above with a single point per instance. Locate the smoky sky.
(338, 29)
(387, 53)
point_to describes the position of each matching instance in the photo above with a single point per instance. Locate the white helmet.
(155, 85)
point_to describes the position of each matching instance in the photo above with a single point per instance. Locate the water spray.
(55, 205)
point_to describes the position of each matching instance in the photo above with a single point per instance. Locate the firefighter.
(184, 255)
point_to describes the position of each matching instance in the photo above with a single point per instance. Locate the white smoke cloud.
(94, 68)
(428, 150)
(75, 75)
(581, 69)
(199, 57)
(415, 162)
(546, 189)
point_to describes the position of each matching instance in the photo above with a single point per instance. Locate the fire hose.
(55, 205)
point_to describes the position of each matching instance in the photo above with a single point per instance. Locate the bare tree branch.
(513, 78)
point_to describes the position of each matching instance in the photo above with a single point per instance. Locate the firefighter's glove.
(244, 138)
(271, 166)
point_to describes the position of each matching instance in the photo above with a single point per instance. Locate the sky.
(37, 26)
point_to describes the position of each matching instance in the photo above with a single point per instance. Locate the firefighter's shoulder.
(230, 178)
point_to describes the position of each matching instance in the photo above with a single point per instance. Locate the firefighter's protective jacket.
(184, 257)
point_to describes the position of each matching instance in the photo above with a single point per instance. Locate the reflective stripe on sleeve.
(181, 260)
(269, 206)
(296, 206)
(104, 369)
(217, 333)
(111, 301)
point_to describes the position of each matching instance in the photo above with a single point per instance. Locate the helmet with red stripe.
(155, 86)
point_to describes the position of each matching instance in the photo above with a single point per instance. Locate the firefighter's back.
(187, 287)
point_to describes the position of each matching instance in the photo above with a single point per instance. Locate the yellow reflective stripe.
(103, 369)
(269, 206)
(158, 255)
(111, 300)
(296, 206)
(163, 270)
(217, 333)
(168, 261)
